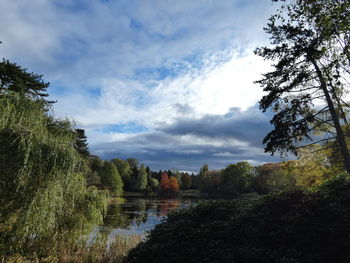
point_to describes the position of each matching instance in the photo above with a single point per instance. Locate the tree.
(164, 182)
(237, 178)
(210, 181)
(169, 185)
(141, 180)
(110, 178)
(154, 184)
(43, 191)
(186, 181)
(311, 44)
(203, 170)
(125, 171)
(94, 170)
(178, 178)
(313, 166)
(14, 78)
(173, 185)
(276, 176)
(133, 162)
(81, 144)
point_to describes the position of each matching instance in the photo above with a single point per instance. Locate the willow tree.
(310, 42)
(43, 191)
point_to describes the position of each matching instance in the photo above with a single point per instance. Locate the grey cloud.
(249, 126)
(166, 148)
(183, 108)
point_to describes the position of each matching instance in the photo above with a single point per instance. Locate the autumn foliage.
(168, 184)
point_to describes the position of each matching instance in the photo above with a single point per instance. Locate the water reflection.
(136, 216)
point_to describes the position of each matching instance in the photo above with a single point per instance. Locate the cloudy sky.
(167, 82)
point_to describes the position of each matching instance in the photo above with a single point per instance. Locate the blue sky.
(167, 82)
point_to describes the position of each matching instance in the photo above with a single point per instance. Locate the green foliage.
(291, 226)
(276, 176)
(154, 184)
(237, 178)
(210, 182)
(141, 180)
(124, 171)
(110, 178)
(43, 190)
(94, 170)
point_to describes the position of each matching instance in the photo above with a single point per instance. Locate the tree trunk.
(335, 118)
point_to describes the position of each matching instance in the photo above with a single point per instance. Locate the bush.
(289, 226)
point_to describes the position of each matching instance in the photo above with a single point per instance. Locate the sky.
(167, 82)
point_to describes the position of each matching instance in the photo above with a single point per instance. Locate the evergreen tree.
(81, 144)
(14, 78)
(124, 171)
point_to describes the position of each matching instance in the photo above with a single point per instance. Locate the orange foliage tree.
(169, 185)
(173, 185)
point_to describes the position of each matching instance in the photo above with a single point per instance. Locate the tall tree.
(237, 178)
(110, 177)
(43, 191)
(125, 171)
(81, 144)
(164, 182)
(141, 180)
(14, 78)
(310, 41)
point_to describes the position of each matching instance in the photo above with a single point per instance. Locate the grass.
(97, 253)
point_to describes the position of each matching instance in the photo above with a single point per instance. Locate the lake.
(137, 215)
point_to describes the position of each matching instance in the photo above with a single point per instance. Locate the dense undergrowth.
(290, 226)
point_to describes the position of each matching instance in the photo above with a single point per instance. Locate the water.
(137, 216)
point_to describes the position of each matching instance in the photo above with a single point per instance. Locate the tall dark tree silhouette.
(310, 42)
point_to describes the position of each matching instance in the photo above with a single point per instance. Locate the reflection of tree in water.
(141, 214)
(116, 217)
(137, 211)
(167, 205)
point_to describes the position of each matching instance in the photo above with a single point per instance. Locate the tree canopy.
(14, 78)
(310, 42)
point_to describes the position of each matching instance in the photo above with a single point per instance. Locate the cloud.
(151, 79)
(87, 40)
(217, 140)
(249, 126)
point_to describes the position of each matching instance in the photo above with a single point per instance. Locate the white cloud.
(213, 89)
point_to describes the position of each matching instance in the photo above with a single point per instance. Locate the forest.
(54, 192)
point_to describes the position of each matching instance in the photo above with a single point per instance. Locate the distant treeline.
(119, 175)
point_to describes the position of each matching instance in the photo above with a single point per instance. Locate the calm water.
(138, 215)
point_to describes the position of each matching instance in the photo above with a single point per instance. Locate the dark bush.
(289, 226)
